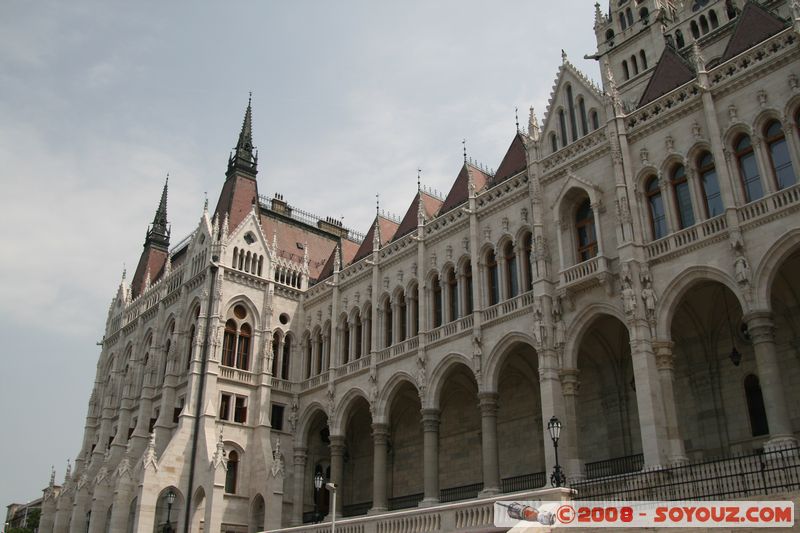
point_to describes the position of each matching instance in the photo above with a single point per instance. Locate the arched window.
(526, 262)
(644, 15)
(643, 58)
(695, 29)
(554, 142)
(562, 123)
(623, 24)
(452, 294)
(573, 123)
(510, 257)
(748, 169)
(436, 287)
(595, 118)
(625, 70)
(229, 344)
(634, 65)
(345, 340)
(712, 17)
(683, 198)
(287, 353)
(402, 307)
(468, 304)
(755, 406)
(582, 111)
(492, 275)
(708, 180)
(190, 351)
(779, 155)
(359, 333)
(610, 37)
(235, 256)
(658, 220)
(730, 10)
(586, 232)
(309, 356)
(703, 24)
(629, 16)
(319, 352)
(243, 348)
(232, 473)
(387, 323)
(679, 39)
(276, 346)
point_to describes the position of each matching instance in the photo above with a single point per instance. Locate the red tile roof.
(459, 192)
(515, 160)
(430, 206)
(290, 235)
(152, 259)
(236, 200)
(755, 24)
(347, 251)
(670, 73)
(388, 229)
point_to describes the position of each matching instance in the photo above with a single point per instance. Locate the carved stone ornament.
(293, 413)
(762, 97)
(331, 407)
(733, 113)
(433, 259)
(505, 224)
(150, 460)
(741, 269)
(523, 214)
(669, 143)
(487, 233)
(220, 458)
(465, 244)
(278, 463)
(449, 252)
(421, 378)
(645, 156)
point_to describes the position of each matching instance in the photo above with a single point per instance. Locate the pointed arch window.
(309, 357)
(554, 142)
(658, 219)
(755, 406)
(712, 17)
(562, 123)
(243, 348)
(359, 333)
(679, 41)
(229, 344)
(625, 71)
(192, 340)
(526, 262)
(468, 303)
(492, 278)
(437, 301)
(703, 24)
(682, 195)
(232, 473)
(287, 353)
(510, 257)
(345, 341)
(387, 323)
(582, 111)
(748, 169)
(276, 347)
(695, 29)
(402, 308)
(586, 232)
(452, 294)
(779, 155)
(595, 118)
(572, 117)
(634, 65)
(319, 352)
(708, 181)
(643, 58)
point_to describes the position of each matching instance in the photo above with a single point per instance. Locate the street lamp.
(170, 501)
(332, 487)
(557, 478)
(318, 481)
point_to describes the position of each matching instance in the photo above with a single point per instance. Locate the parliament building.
(631, 267)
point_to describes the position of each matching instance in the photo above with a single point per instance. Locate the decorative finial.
(378, 204)
(516, 118)
(464, 143)
(697, 57)
(563, 56)
(419, 179)
(205, 202)
(52, 475)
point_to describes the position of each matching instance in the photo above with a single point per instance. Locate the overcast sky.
(99, 100)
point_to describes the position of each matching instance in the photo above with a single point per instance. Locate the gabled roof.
(459, 192)
(387, 228)
(755, 24)
(670, 72)
(567, 69)
(347, 251)
(151, 262)
(292, 240)
(430, 206)
(514, 161)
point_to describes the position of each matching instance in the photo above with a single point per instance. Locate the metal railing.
(615, 466)
(356, 509)
(405, 502)
(738, 476)
(523, 482)
(464, 492)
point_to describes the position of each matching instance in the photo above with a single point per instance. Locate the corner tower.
(156, 248)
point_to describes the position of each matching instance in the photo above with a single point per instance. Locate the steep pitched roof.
(347, 251)
(430, 206)
(670, 72)
(514, 161)
(459, 192)
(755, 24)
(292, 240)
(387, 227)
(151, 262)
(569, 72)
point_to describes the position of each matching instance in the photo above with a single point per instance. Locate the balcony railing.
(616, 466)
(584, 273)
(354, 366)
(315, 381)
(770, 205)
(683, 240)
(281, 384)
(234, 374)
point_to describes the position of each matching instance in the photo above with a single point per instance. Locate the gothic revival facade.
(632, 267)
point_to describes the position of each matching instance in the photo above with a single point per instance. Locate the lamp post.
(170, 501)
(332, 487)
(557, 478)
(318, 480)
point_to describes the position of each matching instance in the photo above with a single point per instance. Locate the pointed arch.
(342, 408)
(436, 381)
(388, 392)
(770, 264)
(579, 325)
(501, 349)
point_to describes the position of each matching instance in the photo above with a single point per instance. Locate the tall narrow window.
(625, 70)
(595, 118)
(468, 304)
(319, 353)
(683, 199)
(586, 233)
(679, 41)
(708, 180)
(748, 169)
(554, 142)
(452, 294)
(755, 406)
(437, 301)
(387, 323)
(492, 275)
(358, 333)
(309, 355)
(562, 123)
(703, 24)
(634, 65)
(573, 123)
(192, 340)
(232, 473)
(276, 346)
(345, 341)
(526, 262)
(224, 407)
(779, 155)
(712, 17)
(623, 24)
(643, 59)
(287, 352)
(629, 16)
(240, 409)
(402, 308)
(229, 344)
(695, 29)
(584, 121)
(510, 257)
(243, 348)
(658, 221)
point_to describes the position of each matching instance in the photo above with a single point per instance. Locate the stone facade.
(632, 268)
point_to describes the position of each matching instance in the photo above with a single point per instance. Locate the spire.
(68, 473)
(599, 20)
(245, 158)
(533, 125)
(158, 233)
(52, 476)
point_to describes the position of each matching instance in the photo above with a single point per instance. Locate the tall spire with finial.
(516, 118)
(245, 157)
(464, 144)
(158, 234)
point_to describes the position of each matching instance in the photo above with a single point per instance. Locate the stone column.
(570, 385)
(380, 439)
(491, 461)
(337, 469)
(666, 374)
(596, 210)
(762, 331)
(300, 455)
(765, 169)
(430, 434)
